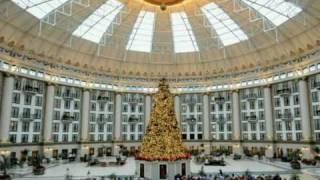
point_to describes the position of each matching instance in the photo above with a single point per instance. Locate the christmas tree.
(163, 141)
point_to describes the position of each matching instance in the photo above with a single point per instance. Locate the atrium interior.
(159, 89)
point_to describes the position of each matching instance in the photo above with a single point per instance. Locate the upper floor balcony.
(286, 116)
(67, 118)
(250, 97)
(251, 118)
(219, 99)
(284, 91)
(69, 95)
(30, 89)
(133, 120)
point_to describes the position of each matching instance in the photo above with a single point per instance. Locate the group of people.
(222, 176)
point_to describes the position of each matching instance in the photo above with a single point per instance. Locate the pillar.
(305, 111)
(85, 115)
(235, 116)
(177, 108)
(47, 124)
(268, 113)
(206, 117)
(117, 123)
(148, 106)
(6, 108)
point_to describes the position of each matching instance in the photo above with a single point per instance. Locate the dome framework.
(267, 42)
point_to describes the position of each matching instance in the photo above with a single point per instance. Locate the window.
(38, 101)
(183, 37)
(13, 126)
(27, 99)
(39, 8)
(96, 25)
(55, 127)
(16, 98)
(15, 112)
(228, 31)
(142, 33)
(36, 127)
(277, 11)
(24, 138)
(25, 126)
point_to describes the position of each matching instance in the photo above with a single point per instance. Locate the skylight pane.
(39, 8)
(94, 27)
(228, 31)
(277, 11)
(183, 37)
(142, 33)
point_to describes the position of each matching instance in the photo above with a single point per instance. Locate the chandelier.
(164, 3)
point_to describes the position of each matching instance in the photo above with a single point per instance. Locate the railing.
(31, 89)
(286, 117)
(191, 120)
(284, 91)
(251, 118)
(26, 117)
(69, 95)
(133, 120)
(103, 98)
(67, 118)
(250, 96)
(219, 99)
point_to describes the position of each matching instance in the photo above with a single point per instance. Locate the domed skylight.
(227, 30)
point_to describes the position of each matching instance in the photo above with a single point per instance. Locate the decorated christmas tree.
(163, 141)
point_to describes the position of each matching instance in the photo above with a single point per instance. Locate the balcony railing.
(101, 120)
(133, 120)
(250, 97)
(191, 120)
(286, 117)
(316, 85)
(251, 118)
(134, 100)
(27, 117)
(31, 89)
(284, 91)
(67, 118)
(69, 95)
(219, 99)
(103, 98)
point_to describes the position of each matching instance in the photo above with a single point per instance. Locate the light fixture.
(164, 3)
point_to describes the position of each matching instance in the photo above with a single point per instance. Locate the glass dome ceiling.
(228, 31)
(136, 37)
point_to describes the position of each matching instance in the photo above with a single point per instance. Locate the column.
(268, 112)
(305, 112)
(206, 117)
(85, 115)
(6, 108)
(47, 124)
(148, 106)
(177, 108)
(235, 116)
(117, 123)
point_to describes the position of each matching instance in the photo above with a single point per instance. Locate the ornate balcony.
(191, 120)
(69, 95)
(286, 117)
(26, 117)
(250, 97)
(67, 118)
(103, 98)
(251, 118)
(31, 89)
(284, 91)
(219, 99)
(133, 120)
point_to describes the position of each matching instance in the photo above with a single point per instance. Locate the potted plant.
(4, 165)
